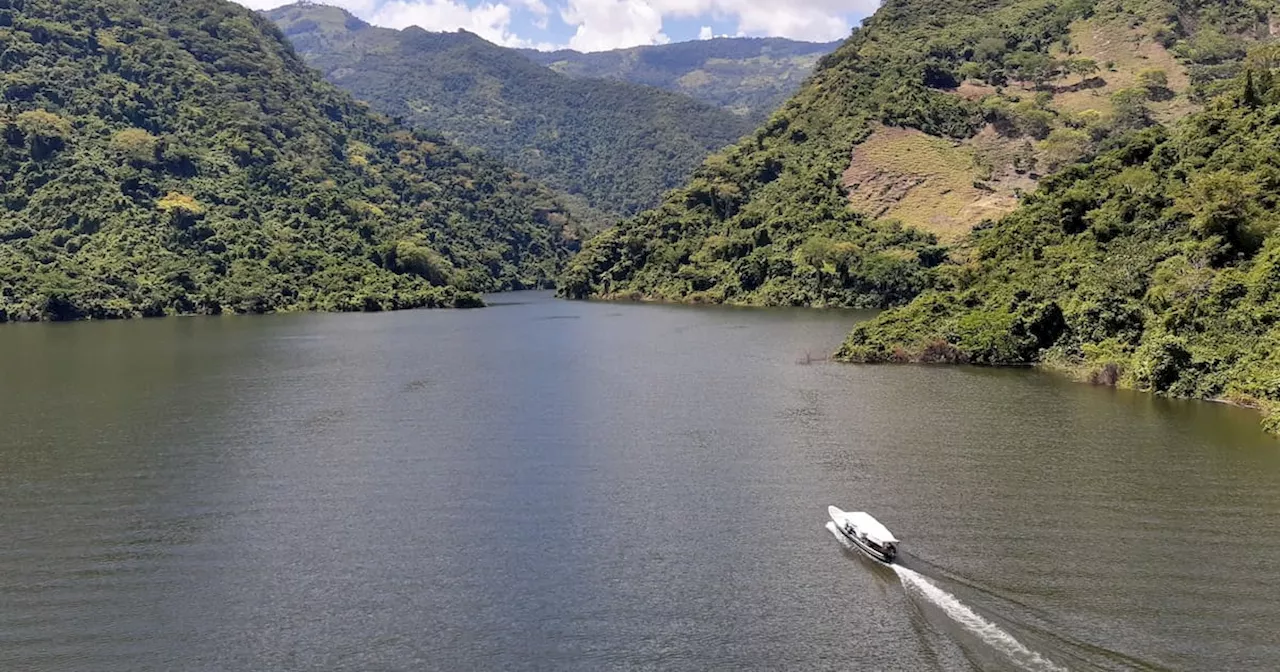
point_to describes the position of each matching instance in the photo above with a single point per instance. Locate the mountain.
(1155, 266)
(617, 146)
(932, 119)
(176, 156)
(750, 76)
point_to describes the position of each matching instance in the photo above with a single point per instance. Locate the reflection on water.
(577, 485)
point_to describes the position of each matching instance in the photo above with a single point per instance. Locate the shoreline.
(695, 300)
(1106, 374)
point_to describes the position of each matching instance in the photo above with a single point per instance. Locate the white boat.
(866, 533)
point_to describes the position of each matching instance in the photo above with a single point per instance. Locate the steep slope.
(749, 76)
(618, 146)
(1155, 266)
(175, 156)
(931, 119)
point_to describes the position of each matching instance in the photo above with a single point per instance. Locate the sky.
(598, 25)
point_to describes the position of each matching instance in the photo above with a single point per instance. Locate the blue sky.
(595, 25)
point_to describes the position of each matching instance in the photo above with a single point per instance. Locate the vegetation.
(1001, 86)
(615, 145)
(1155, 266)
(175, 156)
(768, 221)
(1149, 256)
(749, 76)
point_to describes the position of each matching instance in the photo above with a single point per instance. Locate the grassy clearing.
(930, 183)
(1123, 52)
(947, 187)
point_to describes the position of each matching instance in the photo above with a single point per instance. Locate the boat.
(866, 533)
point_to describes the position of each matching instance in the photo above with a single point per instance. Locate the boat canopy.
(870, 527)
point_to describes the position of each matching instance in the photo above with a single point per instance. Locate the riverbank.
(712, 299)
(60, 309)
(1112, 374)
(1107, 372)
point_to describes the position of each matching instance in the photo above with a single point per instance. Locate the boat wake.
(986, 631)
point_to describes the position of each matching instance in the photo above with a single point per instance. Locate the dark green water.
(550, 485)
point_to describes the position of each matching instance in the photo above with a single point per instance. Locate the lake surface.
(588, 486)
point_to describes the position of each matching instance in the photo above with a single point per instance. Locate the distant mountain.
(176, 156)
(617, 146)
(749, 76)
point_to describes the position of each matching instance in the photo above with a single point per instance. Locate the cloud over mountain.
(597, 25)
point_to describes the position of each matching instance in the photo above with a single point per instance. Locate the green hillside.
(617, 146)
(930, 120)
(750, 76)
(175, 156)
(1155, 266)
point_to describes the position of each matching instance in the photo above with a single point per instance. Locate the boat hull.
(862, 546)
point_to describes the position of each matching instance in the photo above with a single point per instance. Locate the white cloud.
(536, 6)
(595, 25)
(612, 24)
(818, 20)
(490, 21)
(801, 23)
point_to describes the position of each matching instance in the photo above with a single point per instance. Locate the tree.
(135, 145)
(1223, 203)
(1064, 146)
(45, 131)
(1154, 81)
(1084, 67)
(1136, 179)
(1031, 120)
(990, 49)
(182, 209)
(970, 70)
(422, 261)
(1129, 109)
(1034, 67)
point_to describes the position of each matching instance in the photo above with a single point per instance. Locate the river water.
(551, 485)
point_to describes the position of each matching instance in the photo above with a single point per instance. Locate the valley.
(612, 146)
(972, 274)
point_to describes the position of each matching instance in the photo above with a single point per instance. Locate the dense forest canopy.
(750, 76)
(616, 146)
(176, 156)
(769, 220)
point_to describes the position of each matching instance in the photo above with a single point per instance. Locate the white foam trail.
(985, 630)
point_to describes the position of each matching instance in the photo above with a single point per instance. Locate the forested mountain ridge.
(176, 156)
(1155, 266)
(618, 146)
(931, 119)
(750, 76)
